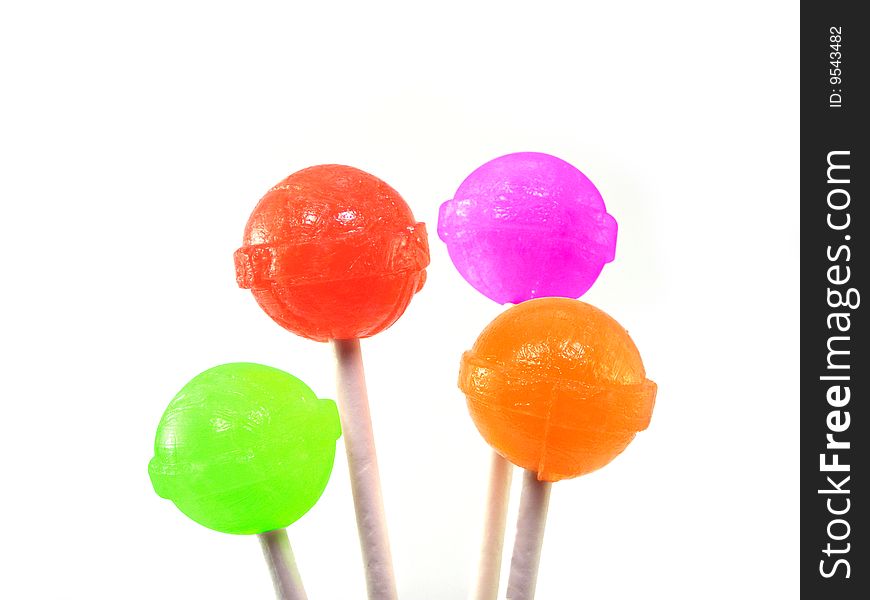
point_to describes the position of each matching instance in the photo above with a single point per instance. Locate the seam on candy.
(550, 402)
(567, 383)
(306, 282)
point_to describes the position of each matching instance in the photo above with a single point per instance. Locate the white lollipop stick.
(282, 565)
(362, 462)
(534, 503)
(489, 564)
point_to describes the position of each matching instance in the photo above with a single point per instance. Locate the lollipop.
(333, 253)
(247, 449)
(557, 387)
(528, 225)
(523, 226)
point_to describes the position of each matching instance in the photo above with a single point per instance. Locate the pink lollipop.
(528, 225)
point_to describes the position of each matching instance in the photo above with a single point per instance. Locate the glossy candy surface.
(528, 225)
(245, 448)
(332, 252)
(556, 386)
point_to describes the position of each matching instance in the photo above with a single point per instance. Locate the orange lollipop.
(557, 387)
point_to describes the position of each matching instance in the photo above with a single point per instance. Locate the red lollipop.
(332, 252)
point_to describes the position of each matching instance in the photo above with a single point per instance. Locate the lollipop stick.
(534, 502)
(365, 480)
(489, 565)
(282, 565)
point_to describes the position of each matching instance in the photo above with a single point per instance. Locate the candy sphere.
(245, 448)
(556, 386)
(332, 252)
(528, 225)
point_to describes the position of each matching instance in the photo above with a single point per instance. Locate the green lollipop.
(245, 448)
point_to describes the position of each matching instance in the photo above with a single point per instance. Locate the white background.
(136, 138)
